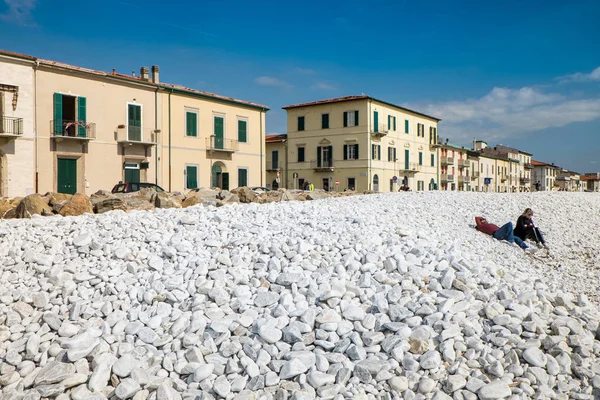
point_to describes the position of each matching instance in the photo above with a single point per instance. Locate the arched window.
(376, 183)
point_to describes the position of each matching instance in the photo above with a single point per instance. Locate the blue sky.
(519, 73)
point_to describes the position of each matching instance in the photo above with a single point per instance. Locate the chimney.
(114, 71)
(155, 71)
(144, 73)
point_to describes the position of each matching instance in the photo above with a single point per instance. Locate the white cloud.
(19, 12)
(504, 113)
(581, 77)
(271, 81)
(323, 86)
(304, 71)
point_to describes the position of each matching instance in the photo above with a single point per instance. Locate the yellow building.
(360, 143)
(92, 129)
(276, 146)
(518, 174)
(455, 168)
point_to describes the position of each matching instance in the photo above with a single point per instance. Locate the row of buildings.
(70, 129)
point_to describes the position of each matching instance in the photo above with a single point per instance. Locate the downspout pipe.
(35, 125)
(262, 139)
(369, 147)
(170, 93)
(156, 136)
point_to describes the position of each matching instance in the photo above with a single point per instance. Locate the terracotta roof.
(276, 138)
(136, 79)
(588, 178)
(352, 98)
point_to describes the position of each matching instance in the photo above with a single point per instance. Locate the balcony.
(524, 180)
(463, 164)
(503, 177)
(446, 178)
(214, 143)
(475, 175)
(412, 168)
(273, 165)
(379, 131)
(136, 135)
(11, 128)
(61, 129)
(322, 165)
(446, 160)
(464, 179)
(528, 166)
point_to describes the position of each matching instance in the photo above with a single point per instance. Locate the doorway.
(219, 178)
(66, 180)
(132, 172)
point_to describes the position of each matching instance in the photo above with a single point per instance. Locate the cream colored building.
(276, 166)
(545, 174)
(92, 129)
(361, 143)
(518, 173)
(569, 181)
(455, 168)
(17, 152)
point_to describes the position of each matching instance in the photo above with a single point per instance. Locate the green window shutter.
(389, 154)
(406, 126)
(300, 123)
(379, 152)
(58, 130)
(191, 124)
(324, 121)
(395, 157)
(345, 152)
(375, 121)
(81, 116)
(242, 177)
(345, 119)
(372, 151)
(389, 122)
(356, 151)
(242, 131)
(191, 173)
(420, 158)
(433, 160)
(406, 159)
(356, 118)
(330, 156)
(319, 157)
(300, 154)
(219, 133)
(394, 123)
(275, 159)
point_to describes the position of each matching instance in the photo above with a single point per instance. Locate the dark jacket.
(484, 226)
(524, 227)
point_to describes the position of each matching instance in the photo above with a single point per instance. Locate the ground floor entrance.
(66, 181)
(220, 178)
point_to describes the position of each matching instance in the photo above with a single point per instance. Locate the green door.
(218, 133)
(191, 174)
(67, 175)
(225, 179)
(134, 132)
(132, 175)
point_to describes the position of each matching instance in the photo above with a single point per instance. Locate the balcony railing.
(380, 130)
(463, 179)
(446, 178)
(11, 126)
(215, 143)
(77, 130)
(524, 180)
(475, 175)
(273, 165)
(446, 160)
(412, 167)
(528, 165)
(322, 165)
(463, 164)
(132, 135)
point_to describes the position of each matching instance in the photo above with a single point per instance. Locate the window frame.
(197, 128)
(325, 121)
(244, 120)
(303, 154)
(303, 119)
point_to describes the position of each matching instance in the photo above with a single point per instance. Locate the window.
(242, 131)
(191, 176)
(433, 160)
(242, 177)
(275, 159)
(324, 121)
(391, 123)
(191, 123)
(350, 118)
(134, 119)
(351, 152)
(420, 130)
(420, 158)
(351, 183)
(300, 154)
(324, 156)
(376, 152)
(406, 126)
(300, 123)
(406, 159)
(432, 135)
(391, 154)
(375, 121)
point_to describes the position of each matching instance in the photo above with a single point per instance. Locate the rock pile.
(146, 199)
(296, 300)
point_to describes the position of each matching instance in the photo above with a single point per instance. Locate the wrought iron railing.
(273, 165)
(446, 160)
(220, 144)
(447, 178)
(322, 164)
(463, 163)
(11, 126)
(73, 129)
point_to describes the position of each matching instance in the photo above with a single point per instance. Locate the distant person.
(537, 186)
(525, 228)
(311, 186)
(404, 188)
(505, 232)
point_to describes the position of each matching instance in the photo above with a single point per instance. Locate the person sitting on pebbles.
(525, 229)
(505, 232)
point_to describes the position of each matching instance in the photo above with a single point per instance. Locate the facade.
(590, 182)
(276, 151)
(515, 173)
(455, 168)
(17, 151)
(360, 143)
(569, 181)
(544, 176)
(92, 129)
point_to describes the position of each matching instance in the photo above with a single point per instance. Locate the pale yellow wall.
(365, 168)
(100, 161)
(271, 173)
(17, 154)
(458, 166)
(187, 150)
